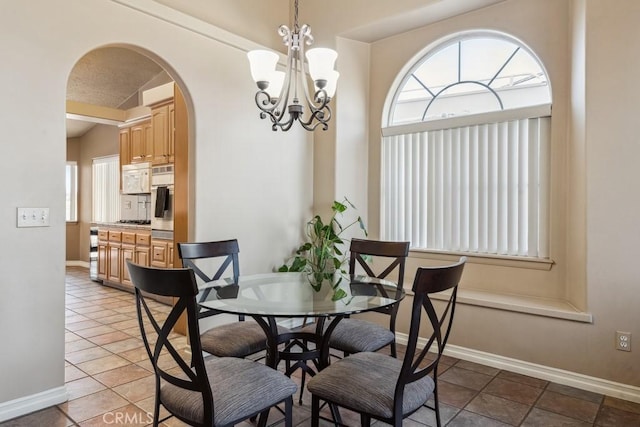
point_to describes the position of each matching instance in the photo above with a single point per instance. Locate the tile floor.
(110, 382)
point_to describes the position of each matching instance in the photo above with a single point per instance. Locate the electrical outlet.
(623, 341)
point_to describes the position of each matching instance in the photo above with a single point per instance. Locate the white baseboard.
(78, 263)
(35, 402)
(560, 376)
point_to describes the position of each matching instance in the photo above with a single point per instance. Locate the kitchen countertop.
(122, 225)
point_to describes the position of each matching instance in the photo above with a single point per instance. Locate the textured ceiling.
(107, 77)
(110, 76)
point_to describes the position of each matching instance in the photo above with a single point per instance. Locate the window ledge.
(547, 307)
(505, 261)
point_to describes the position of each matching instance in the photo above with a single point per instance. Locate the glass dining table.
(272, 296)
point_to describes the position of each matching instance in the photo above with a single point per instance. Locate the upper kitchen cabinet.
(125, 146)
(162, 128)
(161, 101)
(136, 142)
(141, 140)
(150, 136)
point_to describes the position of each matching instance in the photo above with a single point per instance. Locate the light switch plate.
(32, 217)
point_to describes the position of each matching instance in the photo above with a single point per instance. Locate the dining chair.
(357, 335)
(235, 339)
(385, 388)
(213, 392)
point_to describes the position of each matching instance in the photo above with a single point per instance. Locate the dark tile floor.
(110, 382)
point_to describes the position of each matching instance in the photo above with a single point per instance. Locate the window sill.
(546, 307)
(503, 261)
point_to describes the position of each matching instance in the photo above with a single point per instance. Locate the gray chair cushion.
(366, 383)
(240, 389)
(355, 335)
(238, 339)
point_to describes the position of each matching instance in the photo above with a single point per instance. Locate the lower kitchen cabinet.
(117, 245)
(162, 253)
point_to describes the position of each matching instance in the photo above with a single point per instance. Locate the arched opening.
(127, 105)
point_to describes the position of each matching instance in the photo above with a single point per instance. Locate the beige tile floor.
(109, 379)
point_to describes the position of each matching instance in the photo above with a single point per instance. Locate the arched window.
(465, 150)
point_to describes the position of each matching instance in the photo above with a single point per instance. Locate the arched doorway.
(106, 93)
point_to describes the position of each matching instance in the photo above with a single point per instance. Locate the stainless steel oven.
(162, 198)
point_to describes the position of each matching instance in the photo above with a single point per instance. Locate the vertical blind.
(481, 188)
(106, 189)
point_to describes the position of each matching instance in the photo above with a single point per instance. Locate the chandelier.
(280, 92)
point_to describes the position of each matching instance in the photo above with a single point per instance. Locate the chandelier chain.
(295, 16)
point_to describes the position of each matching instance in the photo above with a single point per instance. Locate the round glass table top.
(291, 295)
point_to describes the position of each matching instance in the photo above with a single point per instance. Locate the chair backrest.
(179, 283)
(429, 280)
(190, 252)
(397, 252)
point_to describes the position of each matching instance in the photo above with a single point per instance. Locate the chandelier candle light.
(279, 91)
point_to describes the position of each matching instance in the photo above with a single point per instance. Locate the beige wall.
(594, 213)
(249, 182)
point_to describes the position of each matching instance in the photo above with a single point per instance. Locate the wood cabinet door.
(160, 129)
(113, 269)
(125, 147)
(103, 260)
(127, 252)
(143, 255)
(159, 253)
(137, 143)
(148, 141)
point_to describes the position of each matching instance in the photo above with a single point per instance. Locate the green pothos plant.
(322, 256)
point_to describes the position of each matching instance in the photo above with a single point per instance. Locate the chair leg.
(315, 411)
(262, 420)
(288, 412)
(365, 420)
(302, 380)
(436, 404)
(156, 411)
(394, 354)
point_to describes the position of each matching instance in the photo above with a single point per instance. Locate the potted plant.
(321, 256)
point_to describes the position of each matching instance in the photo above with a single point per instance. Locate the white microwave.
(136, 178)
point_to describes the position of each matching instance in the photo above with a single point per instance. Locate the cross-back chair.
(385, 388)
(213, 392)
(236, 339)
(356, 335)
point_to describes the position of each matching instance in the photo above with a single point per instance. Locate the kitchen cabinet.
(116, 245)
(143, 249)
(162, 253)
(113, 251)
(103, 246)
(127, 252)
(162, 123)
(141, 142)
(125, 146)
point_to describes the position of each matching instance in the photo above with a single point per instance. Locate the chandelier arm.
(322, 116)
(284, 126)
